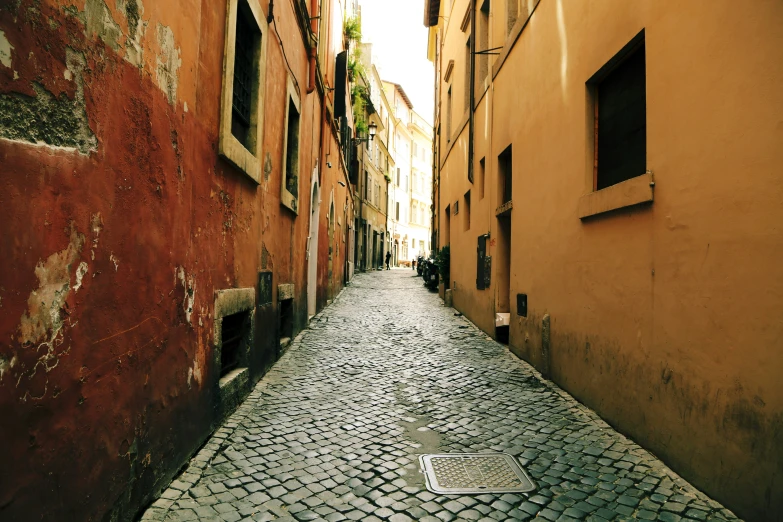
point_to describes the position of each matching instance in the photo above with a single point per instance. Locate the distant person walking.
(388, 258)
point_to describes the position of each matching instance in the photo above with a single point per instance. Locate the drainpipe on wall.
(472, 95)
(313, 44)
(361, 187)
(435, 230)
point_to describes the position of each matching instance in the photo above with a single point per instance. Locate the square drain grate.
(461, 473)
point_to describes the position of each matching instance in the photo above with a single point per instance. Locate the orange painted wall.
(666, 318)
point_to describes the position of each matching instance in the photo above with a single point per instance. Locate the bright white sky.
(396, 30)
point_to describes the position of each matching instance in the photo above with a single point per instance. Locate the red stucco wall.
(111, 256)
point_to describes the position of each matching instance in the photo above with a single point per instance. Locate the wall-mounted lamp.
(373, 128)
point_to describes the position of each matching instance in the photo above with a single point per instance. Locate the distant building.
(421, 186)
(372, 165)
(411, 180)
(608, 179)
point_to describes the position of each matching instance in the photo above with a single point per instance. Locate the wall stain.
(189, 286)
(99, 22)
(43, 323)
(5, 50)
(134, 48)
(48, 119)
(168, 63)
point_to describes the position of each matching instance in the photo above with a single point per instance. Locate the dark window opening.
(245, 75)
(467, 210)
(468, 66)
(448, 115)
(447, 227)
(621, 122)
(349, 150)
(233, 333)
(292, 150)
(481, 174)
(482, 279)
(505, 174)
(286, 311)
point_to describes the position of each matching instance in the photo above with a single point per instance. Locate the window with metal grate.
(233, 333)
(244, 77)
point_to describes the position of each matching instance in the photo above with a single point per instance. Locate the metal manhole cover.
(460, 473)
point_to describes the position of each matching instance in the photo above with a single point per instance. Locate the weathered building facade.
(420, 186)
(372, 164)
(411, 178)
(175, 204)
(608, 180)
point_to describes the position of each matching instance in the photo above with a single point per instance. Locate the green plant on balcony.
(360, 124)
(356, 68)
(352, 29)
(359, 96)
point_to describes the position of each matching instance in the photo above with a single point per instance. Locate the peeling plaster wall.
(120, 224)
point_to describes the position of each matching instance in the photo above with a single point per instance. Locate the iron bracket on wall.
(489, 51)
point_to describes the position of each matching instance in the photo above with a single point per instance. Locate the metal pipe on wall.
(472, 94)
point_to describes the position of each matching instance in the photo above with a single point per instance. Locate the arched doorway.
(312, 246)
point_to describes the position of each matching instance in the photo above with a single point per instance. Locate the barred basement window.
(234, 316)
(233, 332)
(242, 98)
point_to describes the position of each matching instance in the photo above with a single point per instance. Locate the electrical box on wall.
(522, 305)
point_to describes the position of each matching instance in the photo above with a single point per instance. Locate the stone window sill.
(235, 378)
(239, 156)
(632, 192)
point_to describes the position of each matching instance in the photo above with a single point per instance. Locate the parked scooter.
(430, 273)
(420, 261)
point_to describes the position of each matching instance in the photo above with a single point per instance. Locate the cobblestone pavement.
(386, 373)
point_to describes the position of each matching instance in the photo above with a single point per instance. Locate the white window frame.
(287, 199)
(228, 146)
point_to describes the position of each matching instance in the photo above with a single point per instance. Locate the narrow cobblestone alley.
(386, 373)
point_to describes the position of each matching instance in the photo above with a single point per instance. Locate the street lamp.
(373, 128)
